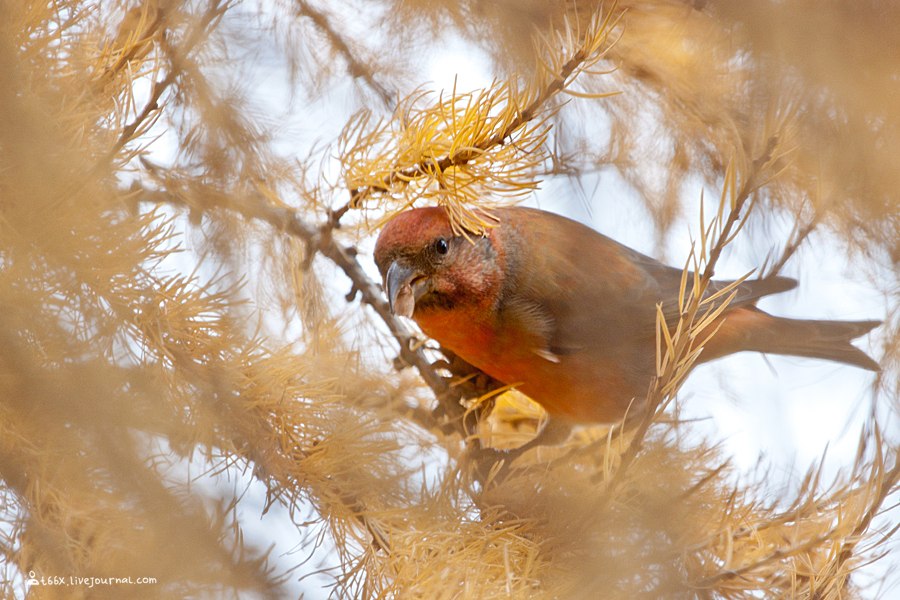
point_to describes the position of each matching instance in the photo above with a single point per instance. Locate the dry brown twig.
(145, 119)
(798, 236)
(356, 67)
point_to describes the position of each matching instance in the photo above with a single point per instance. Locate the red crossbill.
(568, 315)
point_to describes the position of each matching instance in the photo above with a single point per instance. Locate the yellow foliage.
(168, 278)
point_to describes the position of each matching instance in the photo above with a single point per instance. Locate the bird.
(567, 315)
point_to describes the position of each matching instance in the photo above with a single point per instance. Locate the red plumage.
(567, 314)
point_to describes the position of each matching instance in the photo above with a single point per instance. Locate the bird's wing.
(576, 289)
(571, 287)
(669, 278)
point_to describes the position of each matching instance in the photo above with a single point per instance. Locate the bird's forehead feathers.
(411, 230)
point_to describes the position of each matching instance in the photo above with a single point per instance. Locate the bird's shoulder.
(572, 286)
(553, 256)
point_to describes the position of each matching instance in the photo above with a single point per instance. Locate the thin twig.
(198, 32)
(768, 559)
(887, 484)
(799, 235)
(354, 67)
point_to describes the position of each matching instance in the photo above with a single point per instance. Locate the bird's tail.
(829, 340)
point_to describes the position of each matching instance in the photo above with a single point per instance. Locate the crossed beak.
(405, 285)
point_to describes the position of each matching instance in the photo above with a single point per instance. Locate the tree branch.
(355, 68)
(196, 34)
(320, 240)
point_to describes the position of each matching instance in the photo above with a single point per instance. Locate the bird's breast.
(581, 387)
(465, 332)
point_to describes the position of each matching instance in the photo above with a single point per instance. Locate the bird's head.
(425, 266)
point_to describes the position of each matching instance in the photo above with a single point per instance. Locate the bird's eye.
(441, 246)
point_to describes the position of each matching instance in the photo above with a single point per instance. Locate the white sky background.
(786, 411)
